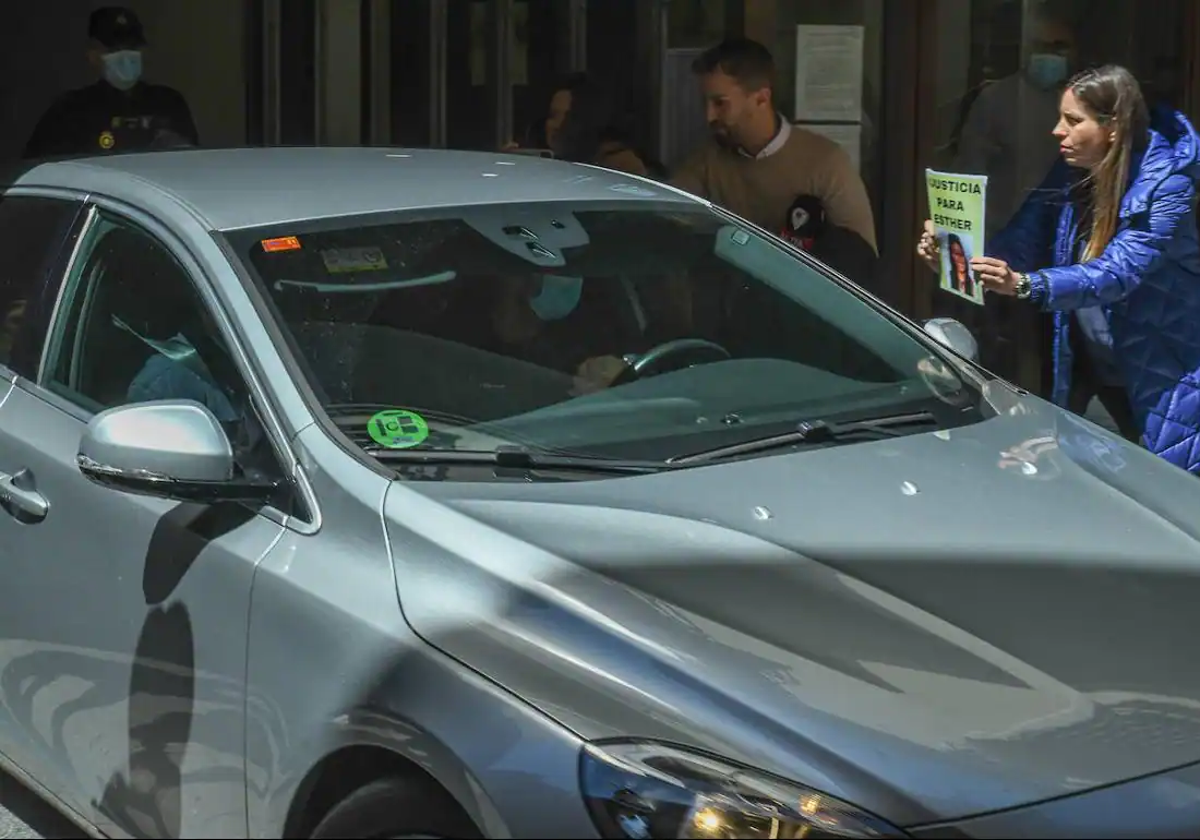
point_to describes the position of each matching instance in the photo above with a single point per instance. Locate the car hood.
(962, 621)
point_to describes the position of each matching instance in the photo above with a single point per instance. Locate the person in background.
(118, 113)
(1004, 136)
(1109, 245)
(581, 126)
(783, 178)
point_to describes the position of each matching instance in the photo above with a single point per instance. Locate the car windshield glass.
(623, 330)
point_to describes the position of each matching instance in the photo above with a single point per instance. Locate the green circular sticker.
(398, 429)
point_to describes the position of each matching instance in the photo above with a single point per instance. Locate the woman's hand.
(996, 275)
(927, 248)
(510, 146)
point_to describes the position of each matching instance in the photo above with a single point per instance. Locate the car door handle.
(20, 497)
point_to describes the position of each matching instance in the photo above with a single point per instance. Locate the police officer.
(119, 113)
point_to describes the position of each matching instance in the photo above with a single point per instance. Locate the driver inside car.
(543, 319)
(201, 371)
(168, 375)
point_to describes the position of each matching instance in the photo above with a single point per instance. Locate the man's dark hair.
(748, 62)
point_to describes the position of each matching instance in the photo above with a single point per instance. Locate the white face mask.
(123, 68)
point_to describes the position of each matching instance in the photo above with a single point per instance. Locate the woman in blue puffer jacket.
(1109, 245)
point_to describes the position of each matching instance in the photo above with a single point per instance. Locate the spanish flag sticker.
(281, 243)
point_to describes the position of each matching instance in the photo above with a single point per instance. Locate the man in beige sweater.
(790, 181)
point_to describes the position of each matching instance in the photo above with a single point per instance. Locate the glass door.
(546, 43)
(296, 82)
(416, 46)
(473, 65)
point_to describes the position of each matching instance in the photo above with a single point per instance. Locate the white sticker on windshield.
(350, 260)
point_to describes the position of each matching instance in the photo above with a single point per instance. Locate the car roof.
(238, 188)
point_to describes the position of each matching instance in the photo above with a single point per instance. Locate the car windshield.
(620, 330)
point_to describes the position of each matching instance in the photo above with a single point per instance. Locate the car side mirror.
(955, 336)
(170, 449)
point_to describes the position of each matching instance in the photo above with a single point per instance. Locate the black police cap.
(116, 28)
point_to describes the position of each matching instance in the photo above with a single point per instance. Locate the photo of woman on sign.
(958, 265)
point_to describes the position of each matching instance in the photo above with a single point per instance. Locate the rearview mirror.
(955, 336)
(171, 449)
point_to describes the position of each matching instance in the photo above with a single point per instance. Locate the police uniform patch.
(107, 141)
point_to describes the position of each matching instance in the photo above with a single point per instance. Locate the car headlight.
(646, 790)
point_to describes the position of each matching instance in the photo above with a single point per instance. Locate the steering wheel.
(673, 355)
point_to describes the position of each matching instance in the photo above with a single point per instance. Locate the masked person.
(793, 182)
(120, 112)
(1109, 245)
(537, 318)
(1004, 135)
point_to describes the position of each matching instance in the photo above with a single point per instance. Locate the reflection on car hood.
(968, 620)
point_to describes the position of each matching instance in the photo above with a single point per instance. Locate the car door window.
(33, 233)
(134, 328)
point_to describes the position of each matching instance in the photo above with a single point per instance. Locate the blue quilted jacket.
(1147, 281)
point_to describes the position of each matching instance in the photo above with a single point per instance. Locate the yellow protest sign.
(956, 207)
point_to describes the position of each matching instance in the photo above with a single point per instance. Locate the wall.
(953, 76)
(340, 78)
(196, 46)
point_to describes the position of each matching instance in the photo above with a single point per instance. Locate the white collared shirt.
(777, 142)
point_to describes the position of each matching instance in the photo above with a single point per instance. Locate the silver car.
(368, 493)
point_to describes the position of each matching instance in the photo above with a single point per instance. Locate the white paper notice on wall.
(829, 73)
(847, 135)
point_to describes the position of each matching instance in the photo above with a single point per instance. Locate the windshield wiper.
(812, 431)
(517, 458)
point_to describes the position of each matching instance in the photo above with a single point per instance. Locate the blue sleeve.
(1027, 242)
(164, 379)
(1132, 254)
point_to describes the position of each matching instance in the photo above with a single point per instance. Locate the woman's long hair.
(587, 123)
(1114, 98)
(965, 282)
